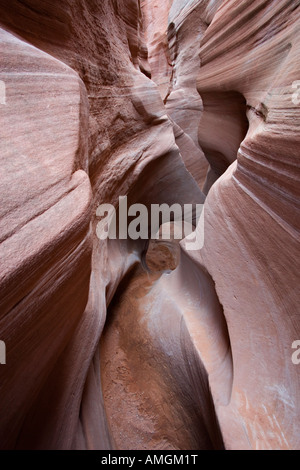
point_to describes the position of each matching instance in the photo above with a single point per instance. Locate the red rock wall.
(252, 229)
(71, 148)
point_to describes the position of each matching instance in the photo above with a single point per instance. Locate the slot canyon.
(145, 344)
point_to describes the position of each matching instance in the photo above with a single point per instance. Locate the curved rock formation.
(123, 344)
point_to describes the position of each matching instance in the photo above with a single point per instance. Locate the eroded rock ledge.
(165, 102)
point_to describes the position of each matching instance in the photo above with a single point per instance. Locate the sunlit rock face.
(123, 344)
(155, 25)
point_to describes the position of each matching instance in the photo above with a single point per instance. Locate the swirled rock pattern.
(111, 345)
